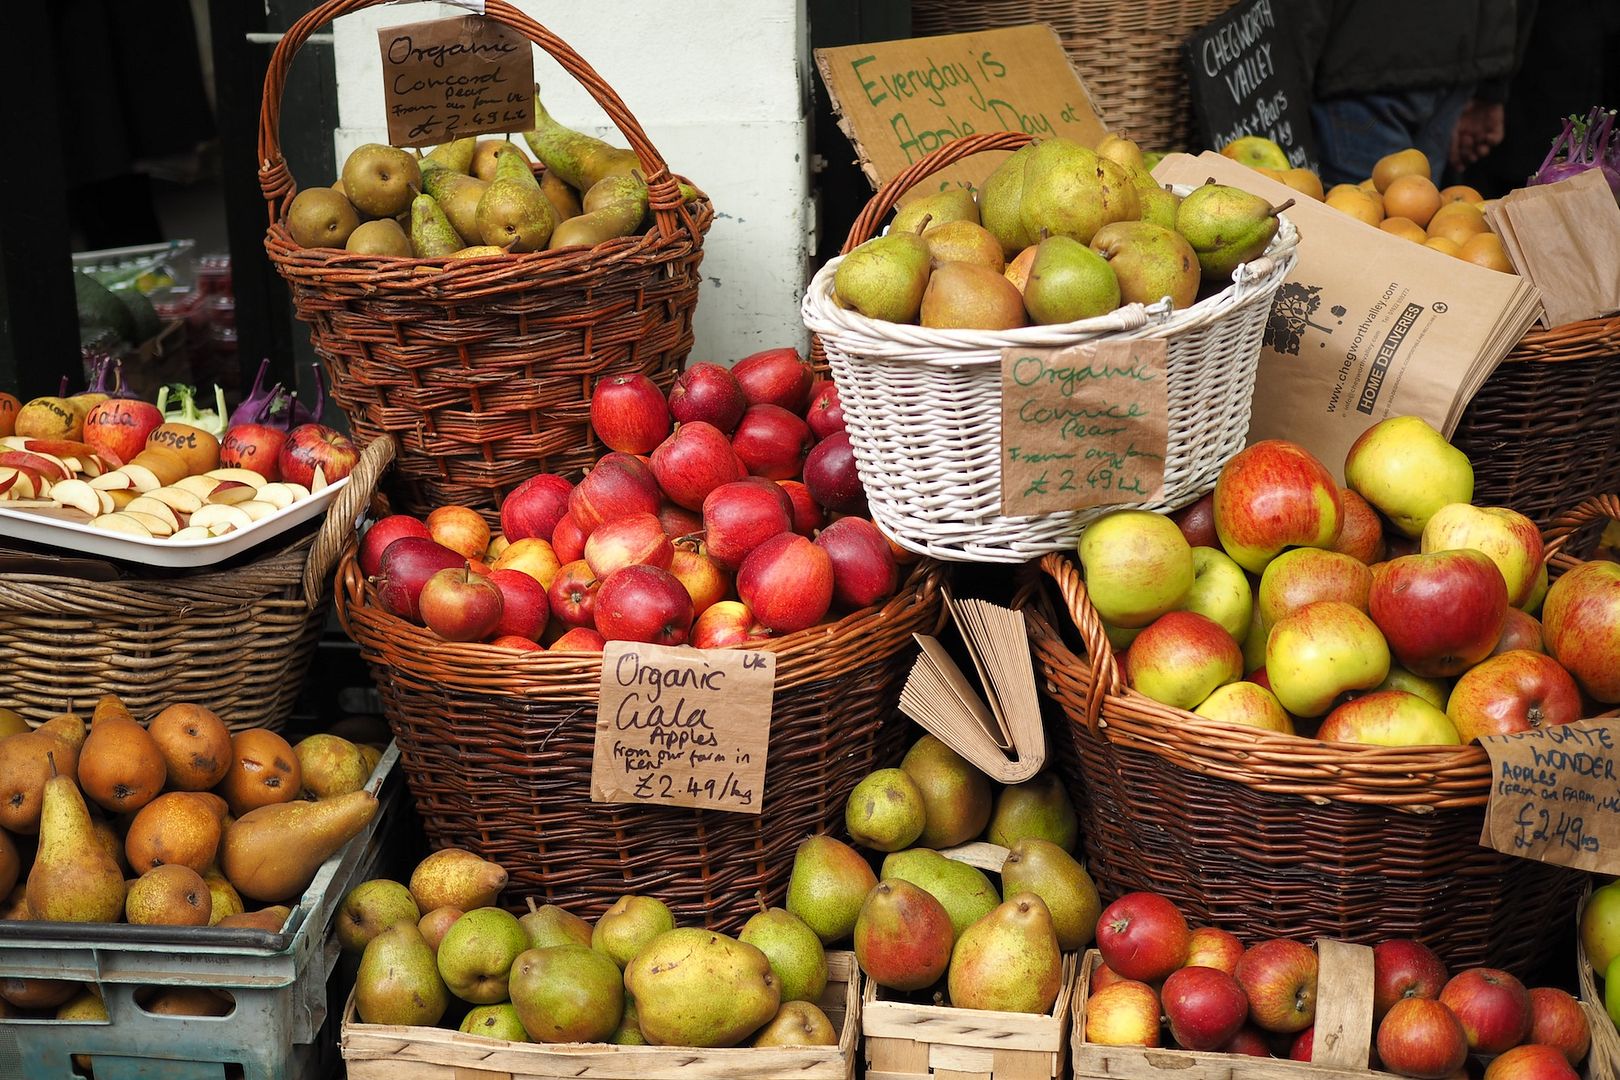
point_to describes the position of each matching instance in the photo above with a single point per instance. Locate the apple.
(706, 581)
(1506, 537)
(525, 608)
(1514, 692)
(1521, 631)
(826, 413)
(807, 514)
(1181, 658)
(727, 625)
(534, 507)
(739, 516)
(707, 393)
(532, 556)
(1279, 976)
(694, 461)
(573, 594)
(1389, 718)
(1600, 926)
(1137, 566)
(1205, 1007)
(1303, 1046)
(1102, 975)
(831, 476)
(1247, 704)
(1538, 592)
(382, 533)
(1248, 1042)
(1320, 651)
(617, 486)
(461, 529)
(1142, 936)
(1532, 1061)
(634, 540)
(1196, 521)
(1441, 613)
(1422, 1038)
(629, 414)
(787, 582)
(1220, 591)
(517, 643)
(1274, 495)
(643, 603)
(579, 639)
(1254, 642)
(779, 377)
(1403, 968)
(315, 446)
(1305, 575)
(1361, 536)
(245, 446)
(404, 568)
(1212, 947)
(117, 428)
(1557, 1020)
(864, 572)
(1434, 691)
(679, 522)
(460, 605)
(1493, 1007)
(1407, 470)
(772, 442)
(1125, 1013)
(1580, 620)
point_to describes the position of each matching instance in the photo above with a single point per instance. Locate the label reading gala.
(683, 726)
(446, 79)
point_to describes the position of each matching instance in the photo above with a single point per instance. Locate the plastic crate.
(278, 1029)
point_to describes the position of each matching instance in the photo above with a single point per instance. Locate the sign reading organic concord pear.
(446, 79)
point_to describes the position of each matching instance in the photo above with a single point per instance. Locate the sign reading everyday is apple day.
(445, 79)
(1086, 425)
(683, 726)
(1555, 795)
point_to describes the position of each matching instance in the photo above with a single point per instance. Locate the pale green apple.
(1248, 704)
(1408, 471)
(1137, 564)
(1121, 637)
(1435, 691)
(1506, 537)
(1256, 151)
(1600, 926)
(1254, 642)
(1220, 591)
(1320, 651)
(1389, 718)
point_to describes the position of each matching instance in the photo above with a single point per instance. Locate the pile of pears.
(928, 925)
(438, 950)
(1057, 233)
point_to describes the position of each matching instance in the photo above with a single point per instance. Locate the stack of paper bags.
(1368, 325)
(1565, 239)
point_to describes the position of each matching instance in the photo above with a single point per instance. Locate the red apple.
(829, 473)
(1516, 691)
(1279, 976)
(1197, 522)
(619, 485)
(461, 529)
(694, 461)
(1403, 968)
(826, 413)
(1388, 718)
(517, 643)
(629, 414)
(1581, 621)
(787, 582)
(1304, 576)
(740, 516)
(706, 582)
(579, 639)
(573, 594)
(534, 507)
(525, 608)
(1142, 936)
(864, 572)
(1271, 496)
(779, 377)
(635, 540)
(404, 567)
(679, 522)
(644, 603)
(1303, 1046)
(568, 539)
(1102, 975)
(1181, 657)
(1441, 613)
(1533, 1061)
(1422, 1038)
(1521, 631)
(807, 515)
(707, 393)
(1123, 1014)
(1557, 1020)
(1361, 533)
(1492, 1005)
(1205, 1007)
(1212, 947)
(1249, 1043)
(315, 446)
(245, 446)
(385, 532)
(726, 625)
(771, 442)
(117, 428)
(460, 605)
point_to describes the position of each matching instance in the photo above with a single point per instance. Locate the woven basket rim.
(1584, 339)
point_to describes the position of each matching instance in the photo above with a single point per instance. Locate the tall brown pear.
(73, 878)
(272, 853)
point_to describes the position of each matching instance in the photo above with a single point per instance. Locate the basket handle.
(1106, 678)
(879, 205)
(1565, 525)
(670, 216)
(338, 527)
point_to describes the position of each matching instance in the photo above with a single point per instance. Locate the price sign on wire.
(446, 79)
(1555, 795)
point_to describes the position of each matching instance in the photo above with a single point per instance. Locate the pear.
(1041, 867)
(398, 981)
(476, 954)
(956, 796)
(381, 180)
(38, 993)
(797, 959)
(189, 1001)
(177, 827)
(66, 728)
(370, 908)
(485, 153)
(1009, 960)
(495, 1022)
(797, 1023)
(1156, 202)
(478, 251)
(903, 936)
(1120, 191)
(885, 278)
(1120, 149)
(437, 923)
(456, 157)
(12, 722)
(10, 863)
(567, 993)
(628, 1032)
(113, 845)
(321, 218)
(1226, 227)
(564, 199)
(85, 1007)
(169, 896)
(938, 209)
(454, 877)
(26, 763)
(963, 891)
(828, 883)
(1001, 203)
(331, 765)
(964, 241)
(272, 853)
(513, 213)
(458, 195)
(432, 235)
(614, 207)
(580, 160)
(1069, 281)
(226, 900)
(701, 988)
(73, 879)
(1070, 191)
(121, 768)
(549, 925)
(968, 296)
(1149, 262)
(885, 812)
(1038, 807)
(625, 928)
(380, 237)
(270, 919)
(15, 906)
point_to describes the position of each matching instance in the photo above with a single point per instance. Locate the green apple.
(1256, 151)
(1408, 471)
(1389, 718)
(1506, 537)
(1600, 927)
(1320, 651)
(1137, 564)
(1305, 575)
(1611, 990)
(1435, 691)
(1120, 637)
(1220, 591)
(1182, 658)
(1538, 593)
(1254, 642)
(1247, 704)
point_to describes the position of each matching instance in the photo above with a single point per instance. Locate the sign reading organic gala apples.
(1555, 795)
(683, 726)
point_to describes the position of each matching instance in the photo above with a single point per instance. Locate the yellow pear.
(1390, 167)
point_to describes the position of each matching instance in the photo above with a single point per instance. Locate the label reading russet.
(1555, 795)
(446, 79)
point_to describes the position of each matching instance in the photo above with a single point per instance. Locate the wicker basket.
(1604, 1061)
(1266, 834)
(923, 406)
(236, 638)
(497, 750)
(483, 368)
(1128, 55)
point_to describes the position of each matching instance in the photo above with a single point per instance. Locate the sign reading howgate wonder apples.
(1555, 795)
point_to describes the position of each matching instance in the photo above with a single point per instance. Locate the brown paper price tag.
(683, 726)
(445, 79)
(1555, 795)
(1083, 426)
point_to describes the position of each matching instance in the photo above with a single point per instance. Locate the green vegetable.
(184, 409)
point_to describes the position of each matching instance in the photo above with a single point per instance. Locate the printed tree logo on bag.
(1291, 313)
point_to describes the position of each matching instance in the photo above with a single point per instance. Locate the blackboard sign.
(1245, 80)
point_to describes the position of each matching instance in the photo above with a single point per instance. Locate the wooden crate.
(914, 1042)
(1604, 1059)
(387, 1052)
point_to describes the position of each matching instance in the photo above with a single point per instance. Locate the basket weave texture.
(483, 368)
(923, 406)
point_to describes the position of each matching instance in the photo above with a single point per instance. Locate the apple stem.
(1209, 181)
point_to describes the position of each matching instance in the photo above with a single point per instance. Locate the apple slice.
(177, 499)
(221, 528)
(192, 532)
(78, 495)
(27, 484)
(121, 497)
(44, 464)
(14, 442)
(141, 478)
(61, 448)
(279, 496)
(121, 523)
(152, 523)
(256, 510)
(108, 504)
(318, 481)
(231, 492)
(299, 491)
(199, 486)
(8, 479)
(241, 476)
(117, 480)
(221, 513)
(160, 510)
(92, 466)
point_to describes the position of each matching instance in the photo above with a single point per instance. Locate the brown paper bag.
(1567, 241)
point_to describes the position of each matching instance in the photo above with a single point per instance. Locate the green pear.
(381, 180)
(1227, 227)
(1149, 262)
(903, 936)
(964, 241)
(1156, 201)
(1041, 867)
(455, 156)
(495, 1022)
(1009, 960)
(1038, 807)
(476, 953)
(952, 204)
(885, 277)
(1001, 203)
(432, 235)
(701, 988)
(829, 881)
(956, 796)
(628, 1032)
(1069, 281)
(370, 908)
(458, 196)
(398, 981)
(549, 925)
(1120, 149)
(330, 765)
(797, 958)
(1070, 191)
(576, 157)
(885, 811)
(513, 213)
(73, 879)
(797, 1023)
(963, 891)
(567, 993)
(455, 877)
(971, 296)
(625, 928)
(615, 207)
(380, 237)
(321, 218)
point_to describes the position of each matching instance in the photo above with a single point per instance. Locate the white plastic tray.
(74, 534)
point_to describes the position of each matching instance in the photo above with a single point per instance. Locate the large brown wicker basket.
(483, 368)
(236, 638)
(497, 751)
(1266, 834)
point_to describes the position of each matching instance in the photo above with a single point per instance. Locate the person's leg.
(1435, 115)
(1352, 133)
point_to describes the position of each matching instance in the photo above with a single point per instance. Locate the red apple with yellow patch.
(1515, 692)
(1272, 496)
(1442, 612)
(1580, 620)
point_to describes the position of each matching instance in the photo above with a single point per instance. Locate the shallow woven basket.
(236, 638)
(923, 406)
(497, 751)
(483, 368)
(1266, 834)
(1128, 55)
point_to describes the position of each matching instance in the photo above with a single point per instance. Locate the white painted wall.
(721, 88)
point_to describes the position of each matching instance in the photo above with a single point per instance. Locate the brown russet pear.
(263, 771)
(321, 218)
(121, 768)
(964, 891)
(455, 877)
(113, 844)
(10, 863)
(797, 958)
(73, 879)
(67, 728)
(1068, 281)
(195, 743)
(964, 241)
(398, 981)
(455, 156)
(697, 987)
(226, 900)
(331, 765)
(829, 881)
(457, 195)
(370, 908)
(270, 918)
(513, 213)
(1391, 167)
(886, 277)
(12, 722)
(1149, 262)
(1227, 227)
(380, 237)
(613, 207)
(567, 993)
(797, 1023)
(38, 993)
(25, 765)
(564, 199)
(625, 928)
(1038, 807)
(381, 180)
(272, 853)
(432, 235)
(169, 896)
(1009, 960)
(970, 296)
(1070, 191)
(549, 925)
(176, 828)
(189, 1001)
(939, 209)
(1041, 867)
(1001, 202)
(956, 796)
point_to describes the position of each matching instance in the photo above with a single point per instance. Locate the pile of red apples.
(726, 512)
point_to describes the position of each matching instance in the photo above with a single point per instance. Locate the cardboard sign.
(445, 79)
(1083, 426)
(900, 100)
(683, 726)
(1555, 795)
(1245, 80)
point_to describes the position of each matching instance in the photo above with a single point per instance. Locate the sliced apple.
(256, 510)
(107, 503)
(123, 497)
(61, 448)
(117, 480)
(299, 490)
(44, 464)
(121, 523)
(177, 499)
(231, 492)
(160, 510)
(221, 528)
(14, 442)
(79, 496)
(318, 481)
(241, 476)
(26, 483)
(8, 480)
(279, 496)
(217, 513)
(153, 524)
(199, 486)
(141, 478)
(92, 466)
(192, 532)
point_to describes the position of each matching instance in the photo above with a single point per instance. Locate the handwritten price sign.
(446, 79)
(1555, 795)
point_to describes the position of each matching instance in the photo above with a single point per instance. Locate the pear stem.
(759, 898)
(530, 901)
(1275, 210)
(923, 224)
(50, 758)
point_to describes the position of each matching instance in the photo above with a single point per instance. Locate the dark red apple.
(534, 507)
(830, 474)
(644, 603)
(619, 485)
(1197, 522)
(629, 414)
(517, 643)
(245, 446)
(1521, 631)
(864, 572)
(460, 605)
(1556, 1020)
(1422, 1038)
(404, 567)
(679, 522)
(1303, 1046)
(1493, 1007)
(1205, 1007)
(1532, 1061)
(779, 377)
(772, 442)
(740, 516)
(1441, 613)
(1279, 976)
(573, 594)
(1248, 1042)
(525, 607)
(315, 446)
(568, 539)
(807, 515)
(636, 540)
(579, 639)
(385, 532)
(705, 580)
(1403, 968)
(707, 393)
(826, 413)
(787, 582)
(694, 461)
(1142, 936)
(727, 625)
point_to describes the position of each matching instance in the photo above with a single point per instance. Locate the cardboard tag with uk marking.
(1555, 795)
(446, 79)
